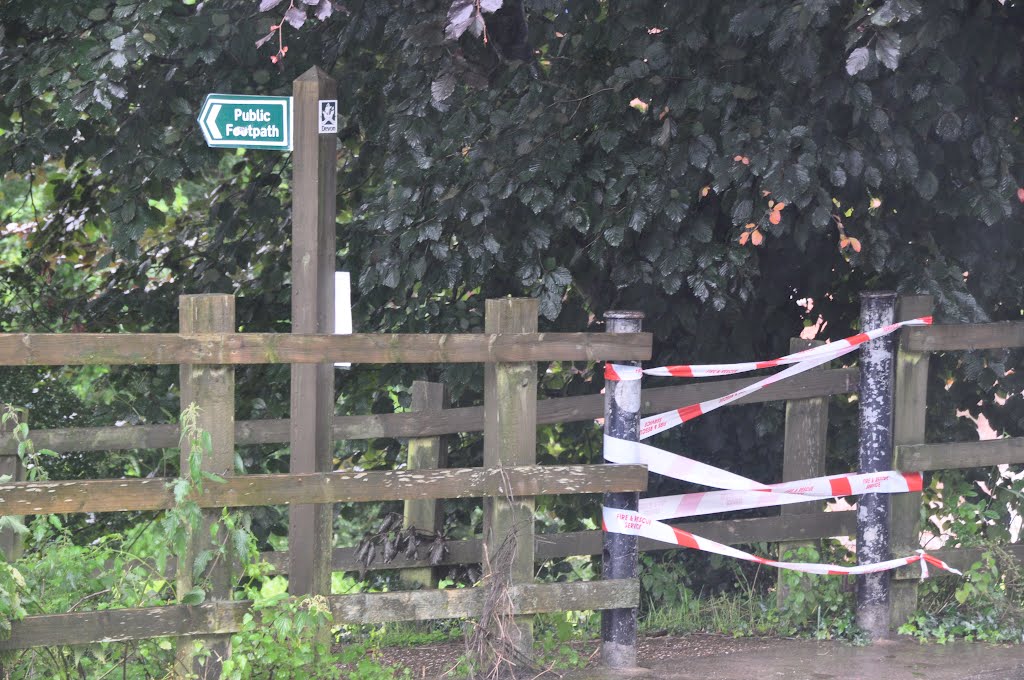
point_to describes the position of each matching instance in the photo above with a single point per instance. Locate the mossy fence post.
(212, 389)
(426, 453)
(620, 553)
(510, 439)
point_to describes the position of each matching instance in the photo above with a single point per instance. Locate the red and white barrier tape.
(740, 492)
(814, 357)
(652, 425)
(638, 524)
(802, 491)
(673, 465)
(620, 372)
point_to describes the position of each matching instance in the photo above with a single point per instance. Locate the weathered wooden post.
(911, 402)
(314, 183)
(212, 389)
(875, 455)
(510, 439)
(620, 553)
(11, 543)
(803, 457)
(425, 452)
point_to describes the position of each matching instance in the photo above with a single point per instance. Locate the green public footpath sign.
(238, 120)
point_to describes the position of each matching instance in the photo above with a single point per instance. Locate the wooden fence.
(805, 450)
(206, 349)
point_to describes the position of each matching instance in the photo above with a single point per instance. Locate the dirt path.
(716, 657)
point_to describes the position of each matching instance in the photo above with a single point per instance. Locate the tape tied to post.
(624, 372)
(738, 492)
(735, 491)
(796, 363)
(637, 524)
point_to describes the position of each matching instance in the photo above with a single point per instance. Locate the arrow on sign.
(211, 121)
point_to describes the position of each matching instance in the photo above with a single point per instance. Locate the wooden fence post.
(11, 543)
(212, 389)
(803, 457)
(426, 452)
(314, 183)
(910, 405)
(510, 438)
(875, 448)
(620, 553)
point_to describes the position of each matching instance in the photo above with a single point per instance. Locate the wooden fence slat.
(425, 453)
(956, 455)
(11, 543)
(951, 337)
(447, 421)
(568, 544)
(510, 439)
(115, 625)
(958, 558)
(910, 403)
(211, 389)
(62, 349)
(803, 458)
(571, 543)
(119, 495)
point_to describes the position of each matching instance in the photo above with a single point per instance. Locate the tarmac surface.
(779, 659)
(706, 656)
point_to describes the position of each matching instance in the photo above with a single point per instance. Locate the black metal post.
(875, 450)
(620, 553)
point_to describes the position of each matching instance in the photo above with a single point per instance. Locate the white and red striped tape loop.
(712, 370)
(802, 491)
(638, 524)
(663, 421)
(673, 465)
(741, 493)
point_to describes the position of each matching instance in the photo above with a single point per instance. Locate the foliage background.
(609, 156)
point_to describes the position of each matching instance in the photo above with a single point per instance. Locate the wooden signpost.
(308, 123)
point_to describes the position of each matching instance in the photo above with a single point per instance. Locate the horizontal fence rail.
(1001, 335)
(58, 349)
(957, 455)
(445, 421)
(581, 543)
(117, 625)
(120, 495)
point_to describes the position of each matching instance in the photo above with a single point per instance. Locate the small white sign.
(328, 116)
(342, 308)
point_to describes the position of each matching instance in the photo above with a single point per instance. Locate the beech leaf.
(267, 5)
(443, 87)
(295, 17)
(324, 10)
(888, 49)
(460, 15)
(857, 61)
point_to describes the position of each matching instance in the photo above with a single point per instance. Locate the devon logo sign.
(238, 120)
